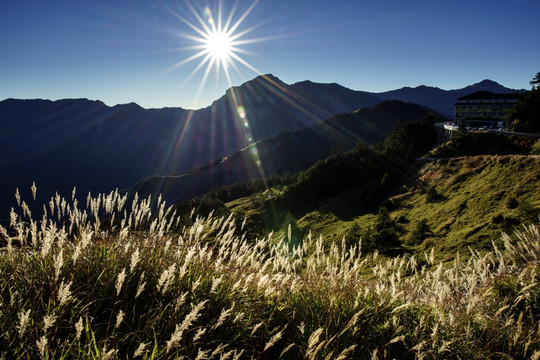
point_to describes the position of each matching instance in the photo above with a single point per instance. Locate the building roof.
(488, 95)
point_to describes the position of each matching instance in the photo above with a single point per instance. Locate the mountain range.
(289, 151)
(84, 143)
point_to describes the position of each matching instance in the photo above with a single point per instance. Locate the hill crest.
(86, 143)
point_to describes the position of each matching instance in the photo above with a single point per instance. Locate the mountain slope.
(438, 99)
(334, 97)
(83, 143)
(289, 151)
(465, 202)
(458, 204)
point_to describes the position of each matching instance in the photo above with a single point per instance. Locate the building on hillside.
(483, 109)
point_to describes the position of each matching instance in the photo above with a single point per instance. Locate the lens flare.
(218, 44)
(241, 112)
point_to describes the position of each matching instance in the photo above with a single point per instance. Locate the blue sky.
(126, 51)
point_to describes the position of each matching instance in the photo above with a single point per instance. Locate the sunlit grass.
(112, 279)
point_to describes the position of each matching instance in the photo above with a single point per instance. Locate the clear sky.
(126, 51)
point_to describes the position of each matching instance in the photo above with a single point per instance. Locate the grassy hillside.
(468, 201)
(463, 202)
(75, 287)
(306, 269)
(398, 204)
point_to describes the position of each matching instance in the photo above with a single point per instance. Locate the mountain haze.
(78, 142)
(83, 143)
(289, 151)
(438, 99)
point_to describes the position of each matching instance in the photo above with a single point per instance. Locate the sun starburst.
(218, 44)
(217, 41)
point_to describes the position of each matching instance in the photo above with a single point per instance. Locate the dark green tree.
(210, 203)
(536, 80)
(525, 115)
(432, 195)
(535, 148)
(250, 224)
(296, 234)
(353, 236)
(411, 139)
(384, 235)
(419, 233)
(462, 129)
(183, 210)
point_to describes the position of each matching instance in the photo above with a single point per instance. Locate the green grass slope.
(75, 287)
(468, 201)
(447, 204)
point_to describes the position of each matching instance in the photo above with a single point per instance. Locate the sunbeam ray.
(218, 35)
(243, 17)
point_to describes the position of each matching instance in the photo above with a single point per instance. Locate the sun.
(217, 39)
(219, 46)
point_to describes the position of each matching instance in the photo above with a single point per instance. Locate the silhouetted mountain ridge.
(85, 143)
(439, 99)
(288, 151)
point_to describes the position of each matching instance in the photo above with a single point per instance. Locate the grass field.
(464, 202)
(107, 279)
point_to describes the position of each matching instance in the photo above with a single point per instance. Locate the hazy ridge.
(77, 142)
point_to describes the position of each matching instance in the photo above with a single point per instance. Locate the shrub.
(354, 235)
(293, 232)
(433, 196)
(497, 219)
(429, 242)
(481, 143)
(420, 232)
(535, 148)
(512, 202)
(383, 234)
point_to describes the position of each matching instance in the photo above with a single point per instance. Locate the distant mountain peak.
(428, 87)
(266, 78)
(131, 105)
(487, 85)
(312, 83)
(487, 82)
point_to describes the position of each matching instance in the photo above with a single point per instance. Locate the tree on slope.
(525, 115)
(536, 80)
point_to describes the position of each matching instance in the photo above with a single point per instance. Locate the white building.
(484, 109)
